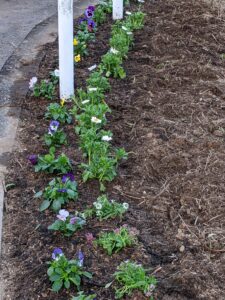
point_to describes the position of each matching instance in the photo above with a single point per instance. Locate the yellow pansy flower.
(75, 42)
(62, 101)
(77, 58)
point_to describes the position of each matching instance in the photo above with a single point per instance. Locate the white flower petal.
(85, 101)
(92, 68)
(56, 73)
(106, 138)
(32, 82)
(95, 120)
(92, 89)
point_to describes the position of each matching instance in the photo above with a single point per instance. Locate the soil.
(169, 115)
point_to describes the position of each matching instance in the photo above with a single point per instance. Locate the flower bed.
(95, 240)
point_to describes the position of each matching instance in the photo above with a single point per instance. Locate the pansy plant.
(98, 81)
(111, 65)
(49, 163)
(82, 296)
(108, 209)
(59, 192)
(67, 223)
(102, 164)
(59, 113)
(131, 276)
(63, 272)
(135, 20)
(54, 75)
(45, 89)
(115, 241)
(55, 136)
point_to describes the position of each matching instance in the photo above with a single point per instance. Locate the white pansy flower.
(56, 73)
(32, 82)
(63, 214)
(128, 13)
(92, 89)
(125, 205)
(106, 138)
(141, 1)
(129, 32)
(85, 101)
(96, 120)
(92, 68)
(114, 51)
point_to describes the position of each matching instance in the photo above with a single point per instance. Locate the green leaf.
(55, 277)
(44, 205)
(57, 285)
(76, 280)
(87, 274)
(71, 193)
(67, 284)
(50, 271)
(38, 194)
(56, 205)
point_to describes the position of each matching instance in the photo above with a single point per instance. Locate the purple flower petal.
(91, 24)
(33, 159)
(62, 190)
(74, 220)
(53, 127)
(80, 258)
(89, 13)
(57, 252)
(91, 7)
(82, 20)
(67, 176)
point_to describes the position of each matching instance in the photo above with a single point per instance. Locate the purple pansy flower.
(67, 176)
(53, 127)
(91, 24)
(56, 253)
(80, 258)
(33, 159)
(62, 190)
(74, 220)
(89, 13)
(63, 214)
(91, 7)
(82, 20)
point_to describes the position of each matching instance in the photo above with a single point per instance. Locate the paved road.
(17, 18)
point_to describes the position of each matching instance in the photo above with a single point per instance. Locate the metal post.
(117, 9)
(66, 57)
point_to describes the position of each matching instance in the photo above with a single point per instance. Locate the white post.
(66, 57)
(117, 9)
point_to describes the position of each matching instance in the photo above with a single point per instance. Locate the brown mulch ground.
(169, 114)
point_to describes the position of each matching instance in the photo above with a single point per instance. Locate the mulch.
(168, 113)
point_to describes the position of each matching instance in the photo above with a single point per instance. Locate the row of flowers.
(101, 159)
